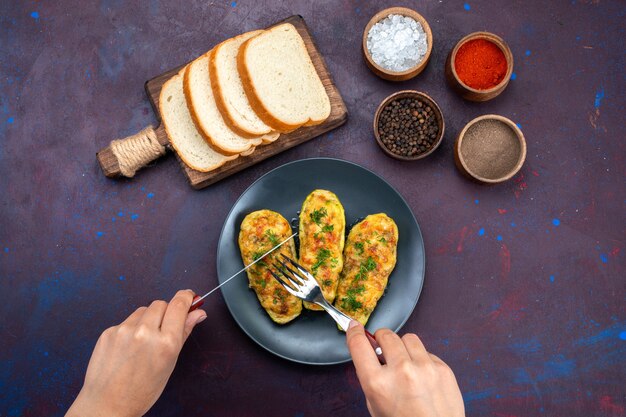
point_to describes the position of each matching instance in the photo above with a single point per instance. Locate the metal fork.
(303, 285)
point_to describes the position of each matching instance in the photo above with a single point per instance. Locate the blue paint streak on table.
(524, 292)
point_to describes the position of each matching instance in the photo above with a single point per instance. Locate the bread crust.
(270, 138)
(199, 125)
(253, 96)
(194, 114)
(219, 96)
(173, 143)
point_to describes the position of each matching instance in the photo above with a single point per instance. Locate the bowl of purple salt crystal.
(397, 43)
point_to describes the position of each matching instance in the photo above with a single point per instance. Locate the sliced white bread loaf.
(181, 130)
(205, 114)
(228, 89)
(280, 80)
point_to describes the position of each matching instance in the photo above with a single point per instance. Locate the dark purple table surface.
(524, 291)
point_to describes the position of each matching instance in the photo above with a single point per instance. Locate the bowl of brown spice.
(408, 125)
(490, 149)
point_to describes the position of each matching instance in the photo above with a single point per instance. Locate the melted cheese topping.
(322, 236)
(369, 258)
(261, 231)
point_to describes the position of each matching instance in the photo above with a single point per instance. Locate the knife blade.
(198, 300)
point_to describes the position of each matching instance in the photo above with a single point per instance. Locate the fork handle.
(376, 347)
(344, 321)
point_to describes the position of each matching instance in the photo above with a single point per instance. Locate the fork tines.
(303, 275)
(289, 274)
(294, 282)
(288, 287)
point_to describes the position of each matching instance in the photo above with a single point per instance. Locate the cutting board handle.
(124, 157)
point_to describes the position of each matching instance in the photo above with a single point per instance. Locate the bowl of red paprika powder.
(479, 67)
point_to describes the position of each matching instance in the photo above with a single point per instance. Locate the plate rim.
(230, 212)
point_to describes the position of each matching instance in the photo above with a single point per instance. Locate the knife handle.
(195, 304)
(376, 346)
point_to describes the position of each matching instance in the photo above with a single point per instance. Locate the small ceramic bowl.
(416, 95)
(411, 72)
(468, 92)
(490, 149)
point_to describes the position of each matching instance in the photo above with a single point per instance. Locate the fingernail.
(353, 323)
(201, 319)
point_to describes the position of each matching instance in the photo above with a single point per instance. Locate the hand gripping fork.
(299, 282)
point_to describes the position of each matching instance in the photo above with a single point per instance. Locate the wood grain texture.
(338, 116)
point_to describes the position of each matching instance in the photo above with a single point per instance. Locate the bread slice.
(205, 114)
(228, 89)
(248, 152)
(182, 132)
(280, 79)
(270, 137)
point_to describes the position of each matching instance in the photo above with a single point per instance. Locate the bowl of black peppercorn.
(408, 125)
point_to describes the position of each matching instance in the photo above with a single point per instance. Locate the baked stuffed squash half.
(322, 237)
(261, 231)
(369, 257)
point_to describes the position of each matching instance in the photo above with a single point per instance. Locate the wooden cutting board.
(338, 116)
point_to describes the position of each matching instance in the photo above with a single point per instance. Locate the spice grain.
(490, 149)
(480, 64)
(408, 127)
(397, 43)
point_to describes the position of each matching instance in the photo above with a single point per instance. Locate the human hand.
(413, 382)
(132, 362)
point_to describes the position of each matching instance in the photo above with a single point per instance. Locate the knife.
(197, 301)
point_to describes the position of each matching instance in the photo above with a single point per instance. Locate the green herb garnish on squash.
(359, 247)
(322, 255)
(272, 237)
(318, 215)
(350, 302)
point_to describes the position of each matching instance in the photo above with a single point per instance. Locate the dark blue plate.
(313, 338)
